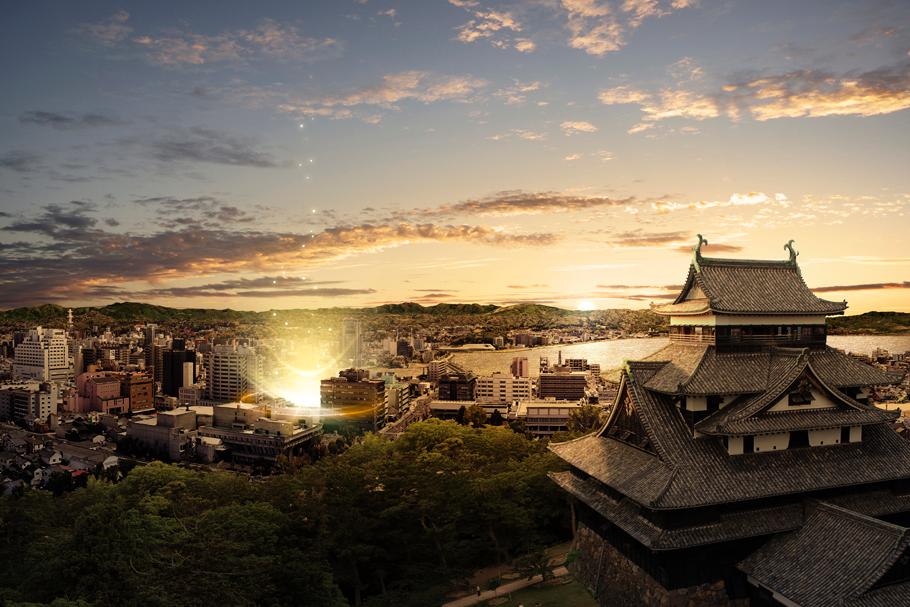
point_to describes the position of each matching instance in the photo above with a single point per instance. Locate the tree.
(476, 416)
(585, 419)
(460, 417)
(496, 418)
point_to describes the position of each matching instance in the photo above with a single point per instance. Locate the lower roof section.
(838, 557)
(700, 370)
(730, 524)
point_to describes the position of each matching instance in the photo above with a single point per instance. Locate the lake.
(611, 354)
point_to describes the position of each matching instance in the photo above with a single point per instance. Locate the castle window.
(845, 435)
(802, 395)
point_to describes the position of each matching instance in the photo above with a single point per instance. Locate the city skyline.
(362, 152)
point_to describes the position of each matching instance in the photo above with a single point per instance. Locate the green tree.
(585, 419)
(476, 416)
(496, 418)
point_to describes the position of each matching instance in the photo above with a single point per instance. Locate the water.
(611, 354)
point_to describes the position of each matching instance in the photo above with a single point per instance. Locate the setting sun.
(585, 305)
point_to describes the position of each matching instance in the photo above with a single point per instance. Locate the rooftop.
(746, 286)
(839, 557)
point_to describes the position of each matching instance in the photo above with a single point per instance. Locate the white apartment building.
(44, 355)
(501, 388)
(232, 373)
(28, 400)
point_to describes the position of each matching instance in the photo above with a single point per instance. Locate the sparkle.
(300, 125)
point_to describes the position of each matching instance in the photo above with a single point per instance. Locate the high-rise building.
(352, 342)
(520, 366)
(28, 401)
(178, 368)
(457, 386)
(500, 388)
(354, 398)
(139, 389)
(562, 385)
(232, 373)
(43, 355)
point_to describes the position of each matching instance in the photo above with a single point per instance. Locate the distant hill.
(488, 316)
(875, 323)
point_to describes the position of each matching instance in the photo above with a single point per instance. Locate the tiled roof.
(730, 524)
(834, 559)
(839, 369)
(735, 286)
(799, 420)
(750, 415)
(699, 370)
(641, 476)
(699, 471)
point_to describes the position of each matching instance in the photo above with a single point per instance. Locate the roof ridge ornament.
(697, 258)
(793, 252)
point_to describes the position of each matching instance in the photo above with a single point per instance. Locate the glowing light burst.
(585, 306)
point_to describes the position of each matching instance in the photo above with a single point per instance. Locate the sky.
(359, 152)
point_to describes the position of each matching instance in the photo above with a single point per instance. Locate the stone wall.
(615, 580)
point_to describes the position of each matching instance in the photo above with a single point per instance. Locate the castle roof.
(669, 468)
(700, 370)
(746, 286)
(838, 557)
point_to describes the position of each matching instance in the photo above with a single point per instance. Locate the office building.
(232, 373)
(562, 385)
(501, 388)
(43, 355)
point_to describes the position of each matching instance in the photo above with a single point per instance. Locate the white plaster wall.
(856, 434)
(828, 436)
(735, 445)
(696, 403)
(820, 401)
(772, 442)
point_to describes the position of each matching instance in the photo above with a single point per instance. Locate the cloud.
(816, 93)
(873, 286)
(795, 94)
(176, 47)
(20, 161)
(517, 202)
(570, 127)
(414, 85)
(639, 238)
(525, 45)
(497, 26)
(519, 134)
(597, 29)
(70, 256)
(712, 248)
(199, 211)
(517, 93)
(666, 240)
(668, 103)
(735, 199)
(67, 121)
(209, 146)
(571, 157)
(59, 221)
(263, 286)
(109, 32)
